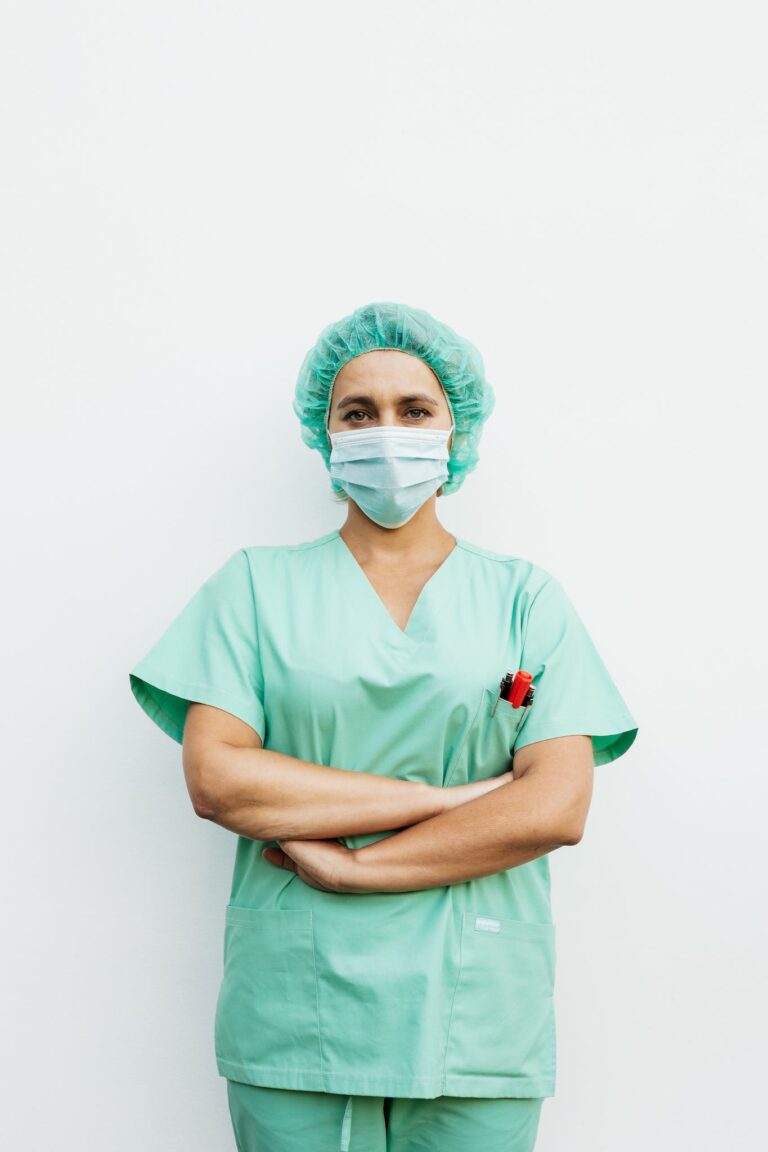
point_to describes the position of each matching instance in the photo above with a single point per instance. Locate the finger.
(279, 858)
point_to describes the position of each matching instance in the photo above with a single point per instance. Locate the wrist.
(363, 871)
(441, 799)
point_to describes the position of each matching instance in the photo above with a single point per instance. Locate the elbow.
(221, 788)
(205, 792)
(566, 825)
(570, 832)
(556, 833)
(224, 808)
(203, 807)
(207, 777)
(573, 818)
(210, 803)
(205, 797)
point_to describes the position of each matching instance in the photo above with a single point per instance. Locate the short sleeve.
(208, 654)
(575, 694)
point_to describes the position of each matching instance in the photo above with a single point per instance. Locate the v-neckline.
(409, 632)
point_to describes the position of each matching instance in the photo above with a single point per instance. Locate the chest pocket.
(487, 746)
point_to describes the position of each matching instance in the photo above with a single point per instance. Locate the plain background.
(190, 192)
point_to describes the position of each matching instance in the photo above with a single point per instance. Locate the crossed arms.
(448, 835)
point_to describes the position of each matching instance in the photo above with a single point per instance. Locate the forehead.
(385, 368)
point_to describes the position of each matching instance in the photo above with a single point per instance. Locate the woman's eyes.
(360, 412)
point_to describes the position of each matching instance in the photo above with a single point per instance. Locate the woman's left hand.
(324, 864)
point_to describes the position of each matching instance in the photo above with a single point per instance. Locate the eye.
(359, 412)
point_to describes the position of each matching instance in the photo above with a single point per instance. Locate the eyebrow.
(401, 400)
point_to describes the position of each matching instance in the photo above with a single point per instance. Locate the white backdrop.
(189, 193)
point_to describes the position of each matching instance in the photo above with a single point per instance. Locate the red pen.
(517, 688)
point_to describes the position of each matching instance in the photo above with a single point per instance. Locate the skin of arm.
(545, 807)
(264, 795)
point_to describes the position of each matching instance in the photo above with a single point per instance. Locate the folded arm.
(264, 795)
(543, 808)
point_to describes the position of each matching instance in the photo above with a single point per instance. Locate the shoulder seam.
(534, 598)
(303, 545)
(255, 610)
(488, 555)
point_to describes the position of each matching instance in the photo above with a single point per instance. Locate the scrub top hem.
(412, 1087)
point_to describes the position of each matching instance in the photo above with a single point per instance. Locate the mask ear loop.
(328, 405)
(452, 429)
(447, 398)
(453, 421)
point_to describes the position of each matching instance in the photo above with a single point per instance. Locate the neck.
(423, 535)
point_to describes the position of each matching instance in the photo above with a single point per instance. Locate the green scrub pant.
(289, 1120)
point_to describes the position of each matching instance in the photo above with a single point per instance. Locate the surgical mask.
(389, 471)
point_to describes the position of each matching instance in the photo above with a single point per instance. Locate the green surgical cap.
(455, 361)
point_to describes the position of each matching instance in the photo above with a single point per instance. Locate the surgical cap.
(455, 361)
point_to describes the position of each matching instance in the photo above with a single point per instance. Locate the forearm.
(511, 825)
(266, 795)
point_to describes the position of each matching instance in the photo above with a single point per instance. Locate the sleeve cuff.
(610, 737)
(166, 701)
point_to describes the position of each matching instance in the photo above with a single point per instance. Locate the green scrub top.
(440, 991)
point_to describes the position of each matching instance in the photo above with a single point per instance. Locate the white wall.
(189, 193)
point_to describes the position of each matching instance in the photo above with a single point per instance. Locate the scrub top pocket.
(266, 1013)
(512, 717)
(503, 1006)
(488, 746)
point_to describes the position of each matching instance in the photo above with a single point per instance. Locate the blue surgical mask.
(389, 472)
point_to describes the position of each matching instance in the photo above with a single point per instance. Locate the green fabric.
(281, 1121)
(443, 991)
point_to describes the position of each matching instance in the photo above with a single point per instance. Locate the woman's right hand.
(457, 794)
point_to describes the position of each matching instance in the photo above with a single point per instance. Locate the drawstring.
(346, 1127)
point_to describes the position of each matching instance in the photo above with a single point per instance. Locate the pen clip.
(505, 685)
(517, 688)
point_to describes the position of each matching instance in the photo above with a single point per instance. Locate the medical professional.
(389, 950)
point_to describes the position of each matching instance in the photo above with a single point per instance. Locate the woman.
(389, 947)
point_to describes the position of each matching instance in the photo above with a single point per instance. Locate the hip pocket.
(266, 1012)
(502, 1021)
